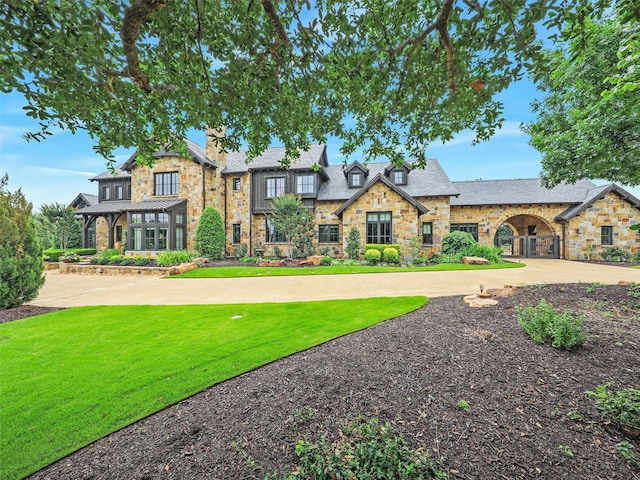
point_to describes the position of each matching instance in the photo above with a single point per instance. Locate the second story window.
(355, 179)
(399, 177)
(165, 184)
(106, 193)
(275, 187)
(305, 184)
(119, 194)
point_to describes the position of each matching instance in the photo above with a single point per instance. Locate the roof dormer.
(398, 175)
(356, 174)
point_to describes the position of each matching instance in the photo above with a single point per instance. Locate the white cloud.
(63, 171)
(466, 138)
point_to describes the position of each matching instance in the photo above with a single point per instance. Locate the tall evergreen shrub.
(21, 262)
(353, 243)
(210, 236)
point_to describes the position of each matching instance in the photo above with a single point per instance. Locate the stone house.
(158, 208)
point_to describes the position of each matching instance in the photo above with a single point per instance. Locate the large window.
(379, 227)
(305, 184)
(165, 184)
(427, 233)
(328, 233)
(236, 233)
(150, 231)
(471, 228)
(606, 236)
(273, 236)
(275, 187)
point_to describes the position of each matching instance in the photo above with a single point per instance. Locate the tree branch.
(134, 16)
(282, 37)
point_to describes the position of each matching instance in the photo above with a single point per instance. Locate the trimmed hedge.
(55, 254)
(372, 256)
(390, 255)
(381, 246)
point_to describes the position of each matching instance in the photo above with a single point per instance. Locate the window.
(236, 233)
(379, 227)
(275, 187)
(305, 184)
(606, 235)
(119, 195)
(471, 228)
(106, 193)
(427, 233)
(328, 233)
(165, 184)
(355, 179)
(150, 231)
(118, 233)
(236, 184)
(272, 235)
(399, 177)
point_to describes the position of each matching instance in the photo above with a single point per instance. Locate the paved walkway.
(76, 290)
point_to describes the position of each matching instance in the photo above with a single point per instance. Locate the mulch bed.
(412, 370)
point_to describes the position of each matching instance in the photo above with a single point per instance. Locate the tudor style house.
(158, 208)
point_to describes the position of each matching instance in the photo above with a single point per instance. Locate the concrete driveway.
(76, 290)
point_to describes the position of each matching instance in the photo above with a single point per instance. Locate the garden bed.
(91, 269)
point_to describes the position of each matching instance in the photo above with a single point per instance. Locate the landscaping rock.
(476, 301)
(315, 260)
(475, 261)
(289, 262)
(268, 263)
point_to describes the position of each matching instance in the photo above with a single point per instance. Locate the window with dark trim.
(236, 184)
(329, 233)
(355, 179)
(150, 231)
(379, 227)
(165, 183)
(427, 233)
(305, 183)
(606, 235)
(471, 228)
(236, 233)
(119, 194)
(400, 177)
(106, 193)
(118, 233)
(275, 187)
(272, 235)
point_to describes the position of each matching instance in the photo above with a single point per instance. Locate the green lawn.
(253, 271)
(73, 376)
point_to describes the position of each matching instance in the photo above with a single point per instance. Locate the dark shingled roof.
(162, 205)
(236, 161)
(106, 207)
(84, 198)
(118, 172)
(428, 182)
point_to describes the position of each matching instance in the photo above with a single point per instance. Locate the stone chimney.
(214, 146)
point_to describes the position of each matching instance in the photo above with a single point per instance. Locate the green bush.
(616, 254)
(241, 251)
(381, 247)
(21, 261)
(636, 257)
(325, 251)
(491, 253)
(447, 258)
(372, 256)
(365, 449)
(420, 260)
(126, 261)
(173, 257)
(116, 260)
(210, 236)
(455, 242)
(390, 255)
(545, 324)
(353, 244)
(249, 259)
(53, 255)
(141, 261)
(621, 407)
(326, 260)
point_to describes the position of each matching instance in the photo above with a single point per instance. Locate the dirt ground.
(528, 414)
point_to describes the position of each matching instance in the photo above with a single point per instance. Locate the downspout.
(204, 188)
(564, 240)
(224, 200)
(250, 253)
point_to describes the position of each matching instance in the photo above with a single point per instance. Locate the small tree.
(353, 243)
(294, 222)
(64, 226)
(21, 263)
(210, 236)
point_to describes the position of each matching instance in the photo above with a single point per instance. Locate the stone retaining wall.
(90, 269)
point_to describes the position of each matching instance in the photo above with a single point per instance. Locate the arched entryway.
(531, 236)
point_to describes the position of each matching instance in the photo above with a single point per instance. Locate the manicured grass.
(253, 271)
(73, 376)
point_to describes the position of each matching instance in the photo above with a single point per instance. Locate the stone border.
(90, 269)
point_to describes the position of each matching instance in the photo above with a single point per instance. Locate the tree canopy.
(585, 128)
(390, 77)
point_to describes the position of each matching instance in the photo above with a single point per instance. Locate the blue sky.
(59, 168)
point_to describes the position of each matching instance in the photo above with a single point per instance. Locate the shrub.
(621, 407)
(447, 258)
(21, 262)
(326, 260)
(241, 251)
(544, 324)
(372, 256)
(616, 254)
(53, 255)
(141, 261)
(210, 237)
(69, 257)
(455, 242)
(364, 449)
(173, 257)
(249, 259)
(420, 260)
(636, 257)
(116, 260)
(390, 255)
(353, 243)
(381, 247)
(126, 261)
(325, 251)
(491, 253)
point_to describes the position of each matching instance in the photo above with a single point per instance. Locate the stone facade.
(237, 209)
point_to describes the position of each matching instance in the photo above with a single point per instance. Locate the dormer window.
(400, 177)
(355, 179)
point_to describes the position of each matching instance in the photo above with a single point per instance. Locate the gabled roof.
(117, 173)
(430, 181)
(392, 167)
(595, 194)
(84, 199)
(381, 178)
(518, 192)
(356, 164)
(197, 153)
(270, 159)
